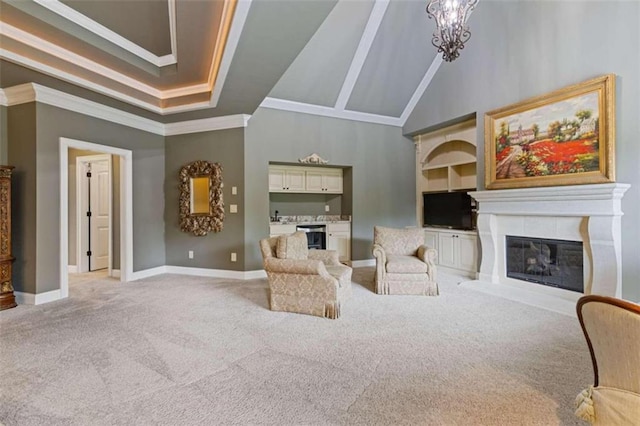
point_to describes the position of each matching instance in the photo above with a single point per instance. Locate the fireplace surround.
(590, 214)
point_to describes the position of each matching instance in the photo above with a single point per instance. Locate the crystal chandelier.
(451, 30)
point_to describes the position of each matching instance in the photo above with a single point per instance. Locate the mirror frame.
(200, 224)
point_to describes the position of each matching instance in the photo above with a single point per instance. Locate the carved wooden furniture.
(612, 330)
(201, 203)
(7, 299)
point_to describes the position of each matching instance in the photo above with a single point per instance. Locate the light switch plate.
(234, 190)
(326, 208)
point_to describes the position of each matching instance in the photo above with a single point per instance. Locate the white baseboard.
(215, 273)
(72, 269)
(252, 275)
(37, 299)
(146, 273)
(361, 263)
(199, 272)
(115, 273)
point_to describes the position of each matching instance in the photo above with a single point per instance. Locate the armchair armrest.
(379, 254)
(427, 254)
(295, 266)
(328, 257)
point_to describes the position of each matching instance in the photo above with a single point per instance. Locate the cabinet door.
(467, 252)
(332, 182)
(341, 242)
(447, 250)
(277, 182)
(314, 181)
(431, 239)
(295, 180)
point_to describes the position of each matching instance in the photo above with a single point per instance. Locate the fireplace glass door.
(556, 263)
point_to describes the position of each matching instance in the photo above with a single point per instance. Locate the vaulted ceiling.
(175, 60)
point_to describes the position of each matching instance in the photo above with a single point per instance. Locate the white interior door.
(100, 208)
(94, 190)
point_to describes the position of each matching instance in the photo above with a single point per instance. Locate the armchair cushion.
(292, 246)
(397, 263)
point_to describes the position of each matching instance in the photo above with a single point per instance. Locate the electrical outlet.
(233, 257)
(190, 254)
(233, 208)
(326, 207)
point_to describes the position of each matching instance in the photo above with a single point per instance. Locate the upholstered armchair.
(404, 265)
(612, 330)
(304, 281)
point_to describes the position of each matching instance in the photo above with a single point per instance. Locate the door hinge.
(88, 174)
(89, 253)
(88, 214)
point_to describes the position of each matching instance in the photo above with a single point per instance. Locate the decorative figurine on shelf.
(313, 159)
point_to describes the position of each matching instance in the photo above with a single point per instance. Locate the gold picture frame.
(201, 202)
(566, 137)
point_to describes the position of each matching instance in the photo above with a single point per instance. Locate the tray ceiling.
(180, 59)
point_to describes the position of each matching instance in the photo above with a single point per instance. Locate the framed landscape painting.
(562, 138)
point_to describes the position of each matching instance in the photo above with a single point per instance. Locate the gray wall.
(214, 249)
(510, 58)
(21, 148)
(39, 188)
(3, 135)
(115, 204)
(382, 181)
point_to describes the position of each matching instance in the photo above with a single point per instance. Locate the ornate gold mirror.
(201, 204)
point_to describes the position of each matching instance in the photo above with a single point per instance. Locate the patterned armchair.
(404, 265)
(304, 281)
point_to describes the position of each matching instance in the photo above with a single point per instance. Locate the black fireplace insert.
(555, 263)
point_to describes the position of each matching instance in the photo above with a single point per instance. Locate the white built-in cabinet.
(446, 161)
(283, 179)
(324, 180)
(339, 239)
(457, 250)
(313, 180)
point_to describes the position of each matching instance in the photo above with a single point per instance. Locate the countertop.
(310, 220)
(318, 222)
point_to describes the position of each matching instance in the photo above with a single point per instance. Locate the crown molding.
(207, 124)
(324, 111)
(49, 48)
(369, 34)
(32, 92)
(105, 33)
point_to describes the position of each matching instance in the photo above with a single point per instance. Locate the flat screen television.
(453, 210)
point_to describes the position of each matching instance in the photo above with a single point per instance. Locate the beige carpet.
(175, 350)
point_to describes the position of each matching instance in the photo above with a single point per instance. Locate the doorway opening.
(122, 211)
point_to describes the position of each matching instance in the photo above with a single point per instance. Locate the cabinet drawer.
(338, 227)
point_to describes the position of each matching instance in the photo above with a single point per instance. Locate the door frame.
(81, 162)
(126, 207)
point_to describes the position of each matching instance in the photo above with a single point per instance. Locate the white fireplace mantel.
(587, 213)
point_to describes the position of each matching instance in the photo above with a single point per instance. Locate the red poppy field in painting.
(548, 157)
